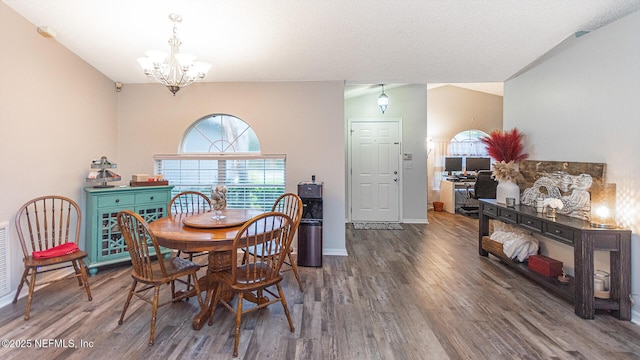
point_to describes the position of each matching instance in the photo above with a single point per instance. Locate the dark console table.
(584, 240)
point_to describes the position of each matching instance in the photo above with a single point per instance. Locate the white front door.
(375, 173)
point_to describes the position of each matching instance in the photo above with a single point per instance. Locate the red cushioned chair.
(49, 228)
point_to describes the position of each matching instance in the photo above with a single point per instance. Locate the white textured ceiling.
(358, 41)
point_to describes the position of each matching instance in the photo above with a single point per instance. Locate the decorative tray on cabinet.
(103, 175)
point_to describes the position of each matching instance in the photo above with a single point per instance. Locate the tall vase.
(505, 189)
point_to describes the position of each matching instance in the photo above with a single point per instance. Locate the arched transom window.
(221, 149)
(467, 143)
(220, 133)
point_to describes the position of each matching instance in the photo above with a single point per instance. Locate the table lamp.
(603, 207)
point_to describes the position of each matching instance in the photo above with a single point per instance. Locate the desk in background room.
(448, 191)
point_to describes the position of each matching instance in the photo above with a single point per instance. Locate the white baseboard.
(635, 317)
(335, 252)
(415, 221)
(406, 221)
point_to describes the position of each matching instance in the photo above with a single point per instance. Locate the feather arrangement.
(505, 145)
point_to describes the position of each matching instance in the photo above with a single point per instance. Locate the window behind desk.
(464, 144)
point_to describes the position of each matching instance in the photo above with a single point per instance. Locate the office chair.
(484, 188)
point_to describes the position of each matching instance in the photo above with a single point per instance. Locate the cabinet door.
(152, 212)
(110, 243)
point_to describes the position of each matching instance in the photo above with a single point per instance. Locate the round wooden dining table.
(202, 232)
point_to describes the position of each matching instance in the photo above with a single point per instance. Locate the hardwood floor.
(418, 293)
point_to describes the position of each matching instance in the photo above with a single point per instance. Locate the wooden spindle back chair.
(256, 273)
(49, 224)
(290, 204)
(190, 202)
(153, 273)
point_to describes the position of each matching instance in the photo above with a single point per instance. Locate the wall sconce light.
(383, 100)
(430, 145)
(603, 207)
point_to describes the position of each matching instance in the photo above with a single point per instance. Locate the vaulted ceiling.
(358, 41)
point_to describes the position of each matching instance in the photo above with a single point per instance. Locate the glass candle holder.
(551, 212)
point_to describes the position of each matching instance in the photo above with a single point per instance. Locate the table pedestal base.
(218, 261)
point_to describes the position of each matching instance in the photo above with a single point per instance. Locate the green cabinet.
(104, 242)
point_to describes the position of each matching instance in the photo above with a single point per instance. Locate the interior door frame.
(349, 179)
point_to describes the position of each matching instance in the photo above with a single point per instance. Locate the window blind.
(252, 181)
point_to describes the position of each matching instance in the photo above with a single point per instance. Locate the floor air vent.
(4, 265)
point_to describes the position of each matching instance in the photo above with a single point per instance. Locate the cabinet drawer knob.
(117, 200)
(558, 232)
(152, 198)
(529, 222)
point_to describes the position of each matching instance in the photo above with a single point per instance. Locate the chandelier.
(175, 70)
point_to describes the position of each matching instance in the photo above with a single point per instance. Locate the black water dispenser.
(310, 229)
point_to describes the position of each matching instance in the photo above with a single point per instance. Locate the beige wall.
(453, 109)
(300, 119)
(57, 114)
